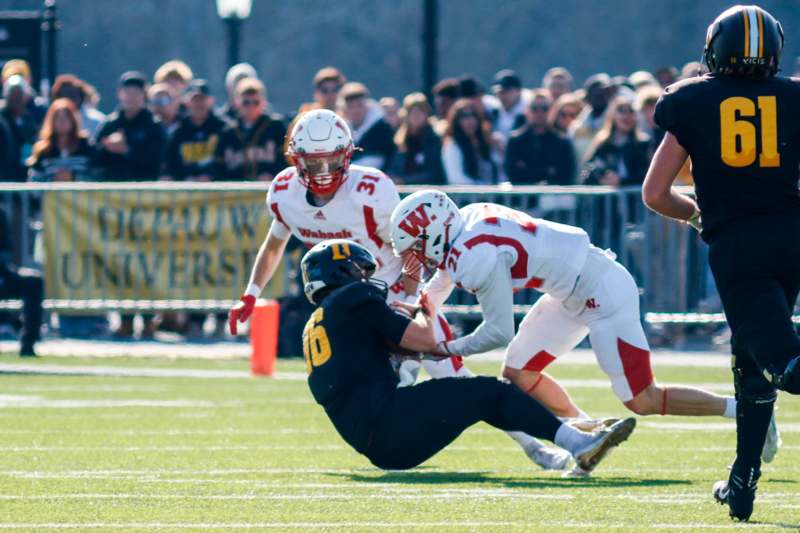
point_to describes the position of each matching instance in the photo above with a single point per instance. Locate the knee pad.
(753, 388)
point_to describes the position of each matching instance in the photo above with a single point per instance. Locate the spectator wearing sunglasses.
(619, 153)
(251, 147)
(466, 147)
(563, 112)
(536, 154)
(165, 104)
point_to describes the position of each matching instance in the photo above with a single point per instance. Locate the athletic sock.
(571, 439)
(525, 440)
(752, 423)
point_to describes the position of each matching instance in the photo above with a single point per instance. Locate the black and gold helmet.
(744, 41)
(335, 263)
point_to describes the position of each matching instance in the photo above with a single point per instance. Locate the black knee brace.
(752, 387)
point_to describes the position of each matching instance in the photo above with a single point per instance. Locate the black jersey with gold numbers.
(346, 346)
(743, 137)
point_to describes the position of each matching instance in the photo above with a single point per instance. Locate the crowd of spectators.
(169, 127)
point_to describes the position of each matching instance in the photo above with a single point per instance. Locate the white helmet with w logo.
(422, 227)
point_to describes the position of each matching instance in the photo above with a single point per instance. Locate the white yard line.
(526, 525)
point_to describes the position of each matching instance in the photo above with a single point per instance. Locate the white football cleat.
(549, 458)
(590, 455)
(773, 442)
(577, 472)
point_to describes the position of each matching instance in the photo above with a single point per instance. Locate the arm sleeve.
(496, 298)
(453, 162)
(375, 313)
(439, 288)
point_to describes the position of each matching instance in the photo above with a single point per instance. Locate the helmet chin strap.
(446, 247)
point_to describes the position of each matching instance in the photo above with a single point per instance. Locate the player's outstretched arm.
(419, 335)
(657, 191)
(267, 260)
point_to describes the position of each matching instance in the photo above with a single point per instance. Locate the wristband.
(253, 290)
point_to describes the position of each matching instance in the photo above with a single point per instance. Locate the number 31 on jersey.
(738, 135)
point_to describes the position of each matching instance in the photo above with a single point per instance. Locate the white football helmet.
(423, 225)
(321, 145)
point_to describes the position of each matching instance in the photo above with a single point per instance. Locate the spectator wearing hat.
(62, 152)
(130, 144)
(176, 74)
(537, 154)
(81, 94)
(418, 159)
(371, 133)
(251, 147)
(20, 125)
(192, 147)
(598, 90)
(558, 82)
(510, 115)
(165, 103)
(235, 74)
(466, 147)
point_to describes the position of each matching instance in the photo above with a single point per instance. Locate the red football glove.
(241, 311)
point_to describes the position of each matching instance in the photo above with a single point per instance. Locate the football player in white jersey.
(325, 197)
(493, 251)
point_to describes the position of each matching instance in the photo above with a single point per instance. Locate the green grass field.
(153, 453)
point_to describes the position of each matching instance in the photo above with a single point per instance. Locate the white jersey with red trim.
(542, 255)
(360, 211)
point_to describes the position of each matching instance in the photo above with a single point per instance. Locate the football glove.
(241, 311)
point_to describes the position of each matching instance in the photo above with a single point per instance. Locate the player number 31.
(738, 135)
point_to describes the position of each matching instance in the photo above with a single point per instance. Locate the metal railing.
(666, 258)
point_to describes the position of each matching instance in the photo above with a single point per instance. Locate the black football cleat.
(739, 492)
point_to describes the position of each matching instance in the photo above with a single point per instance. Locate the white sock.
(730, 407)
(571, 439)
(525, 441)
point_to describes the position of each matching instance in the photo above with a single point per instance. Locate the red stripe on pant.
(456, 360)
(636, 365)
(539, 362)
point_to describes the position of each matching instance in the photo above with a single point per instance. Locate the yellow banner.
(153, 245)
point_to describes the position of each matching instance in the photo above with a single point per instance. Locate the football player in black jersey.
(347, 344)
(739, 124)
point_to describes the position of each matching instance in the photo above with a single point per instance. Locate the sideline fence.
(171, 225)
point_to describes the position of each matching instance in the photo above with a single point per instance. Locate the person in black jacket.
(418, 159)
(130, 145)
(619, 154)
(371, 133)
(191, 148)
(62, 152)
(251, 147)
(22, 283)
(537, 154)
